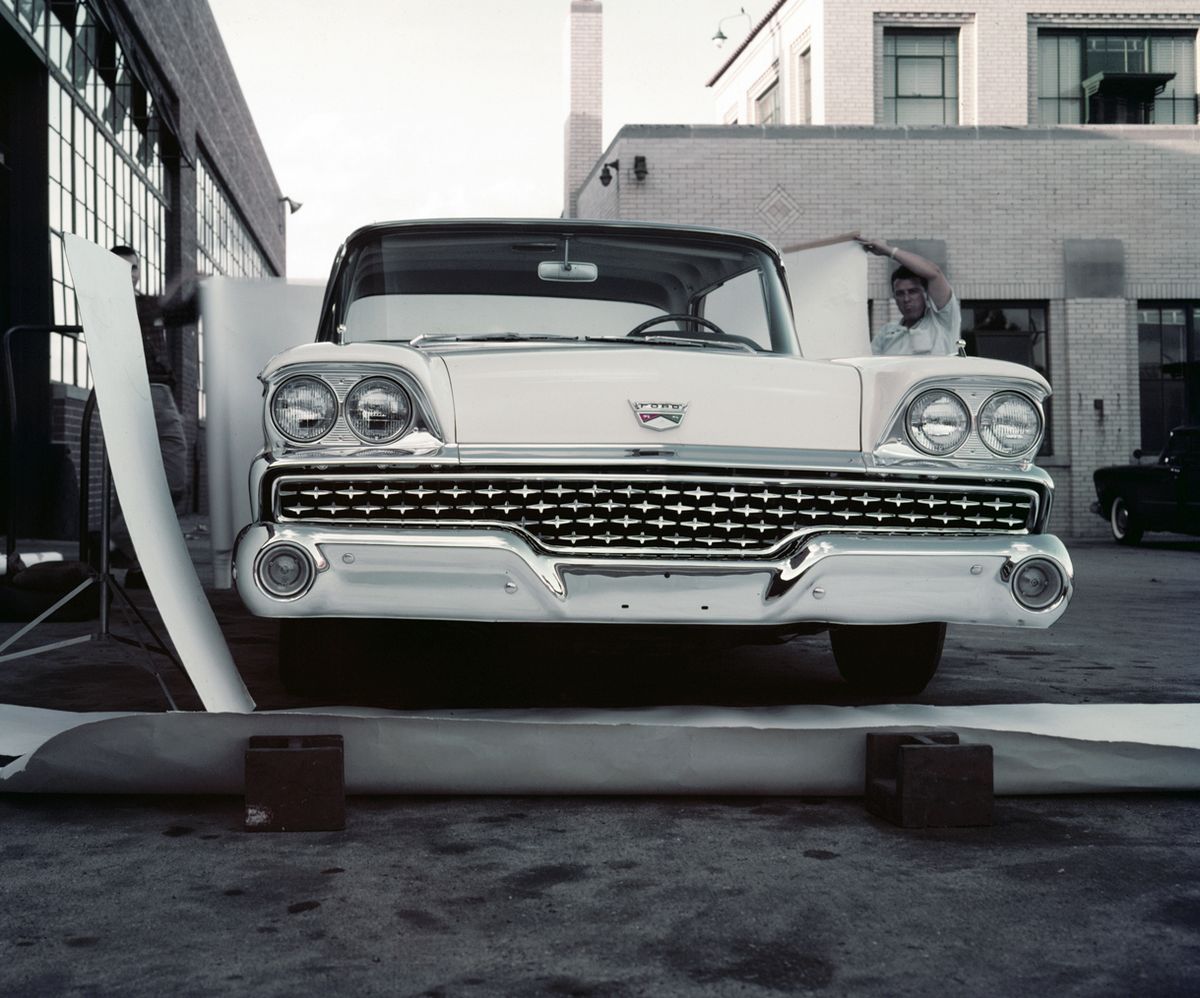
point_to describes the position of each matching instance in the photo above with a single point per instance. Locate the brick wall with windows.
(134, 91)
(997, 55)
(1004, 201)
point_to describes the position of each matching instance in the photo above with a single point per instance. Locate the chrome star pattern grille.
(624, 514)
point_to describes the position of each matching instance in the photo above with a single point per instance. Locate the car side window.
(738, 307)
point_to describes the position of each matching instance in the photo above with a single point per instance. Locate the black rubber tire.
(1123, 522)
(893, 659)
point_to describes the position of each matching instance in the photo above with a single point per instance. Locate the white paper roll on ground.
(1038, 749)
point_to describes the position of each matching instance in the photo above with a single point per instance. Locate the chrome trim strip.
(668, 454)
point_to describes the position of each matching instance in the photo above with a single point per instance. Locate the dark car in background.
(1165, 495)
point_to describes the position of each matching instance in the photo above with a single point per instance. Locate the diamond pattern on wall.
(778, 210)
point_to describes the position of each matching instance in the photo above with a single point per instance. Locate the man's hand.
(875, 246)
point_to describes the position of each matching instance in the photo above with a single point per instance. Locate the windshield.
(433, 287)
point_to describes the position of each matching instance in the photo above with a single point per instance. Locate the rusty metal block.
(295, 784)
(928, 780)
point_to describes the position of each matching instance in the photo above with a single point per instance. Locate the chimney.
(581, 146)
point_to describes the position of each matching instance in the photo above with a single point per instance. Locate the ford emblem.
(659, 415)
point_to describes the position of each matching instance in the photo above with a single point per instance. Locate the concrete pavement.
(651, 896)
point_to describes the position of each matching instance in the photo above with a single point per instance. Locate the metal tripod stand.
(103, 579)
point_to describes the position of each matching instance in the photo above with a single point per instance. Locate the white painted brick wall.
(1002, 200)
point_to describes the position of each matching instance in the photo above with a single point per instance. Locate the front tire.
(1125, 526)
(894, 659)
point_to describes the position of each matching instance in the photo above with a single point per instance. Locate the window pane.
(1149, 343)
(1047, 66)
(1173, 342)
(1175, 54)
(923, 111)
(1070, 66)
(1116, 54)
(950, 77)
(919, 77)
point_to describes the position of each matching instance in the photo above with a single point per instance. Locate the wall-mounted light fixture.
(720, 38)
(606, 174)
(639, 168)
(293, 206)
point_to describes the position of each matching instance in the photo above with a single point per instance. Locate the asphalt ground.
(625, 896)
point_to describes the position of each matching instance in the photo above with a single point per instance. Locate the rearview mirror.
(562, 270)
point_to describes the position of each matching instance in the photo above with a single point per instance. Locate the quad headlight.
(1009, 424)
(938, 422)
(378, 410)
(304, 409)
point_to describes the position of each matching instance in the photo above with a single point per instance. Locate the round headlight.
(1009, 424)
(1037, 583)
(378, 410)
(304, 409)
(938, 422)
(284, 570)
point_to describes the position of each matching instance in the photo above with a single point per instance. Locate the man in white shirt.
(930, 317)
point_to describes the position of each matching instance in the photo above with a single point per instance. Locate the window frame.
(1190, 362)
(1187, 105)
(774, 93)
(892, 105)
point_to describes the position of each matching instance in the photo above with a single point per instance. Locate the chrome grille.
(624, 513)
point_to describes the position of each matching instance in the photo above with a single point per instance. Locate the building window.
(1112, 78)
(766, 106)
(107, 175)
(225, 246)
(805, 77)
(920, 77)
(1012, 331)
(1168, 368)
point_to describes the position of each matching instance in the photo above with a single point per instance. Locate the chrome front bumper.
(841, 578)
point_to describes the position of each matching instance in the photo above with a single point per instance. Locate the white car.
(585, 422)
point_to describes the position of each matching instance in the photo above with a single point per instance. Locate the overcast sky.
(383, 109)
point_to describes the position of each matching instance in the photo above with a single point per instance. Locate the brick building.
(1050, 162)
(121, 121)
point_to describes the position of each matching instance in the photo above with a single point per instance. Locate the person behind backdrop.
(930, 316)
(177, 306)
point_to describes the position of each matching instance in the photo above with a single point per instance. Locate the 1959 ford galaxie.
(584, 422)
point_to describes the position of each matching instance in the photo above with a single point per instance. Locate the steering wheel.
(712, 330)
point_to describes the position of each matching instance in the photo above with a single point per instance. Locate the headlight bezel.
(894, 445)
(291, 380)
(955, 400)
(403, 393)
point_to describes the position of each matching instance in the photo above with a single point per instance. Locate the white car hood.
(585, 395)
